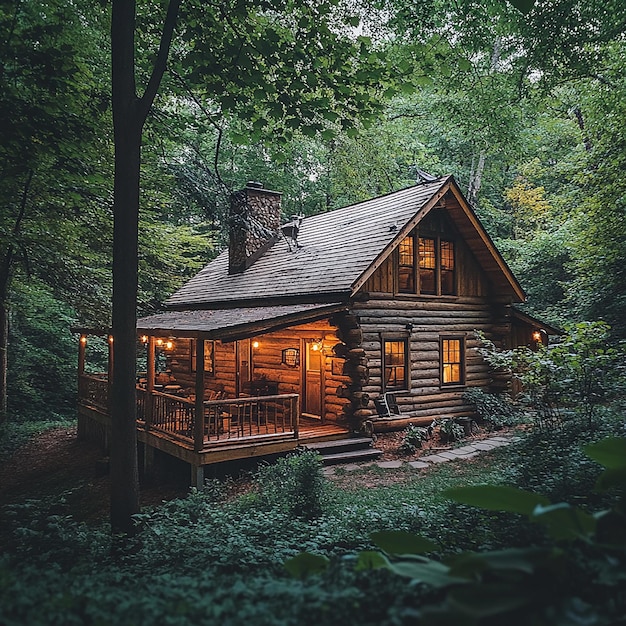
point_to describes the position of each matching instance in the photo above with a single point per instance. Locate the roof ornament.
(290, 232)
(424, 177)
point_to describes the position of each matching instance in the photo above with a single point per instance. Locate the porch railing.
(93, 390)
(247, 417)
(226, 420)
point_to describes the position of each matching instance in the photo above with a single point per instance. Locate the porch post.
(198, 426)
(149, 383)
(81, 355)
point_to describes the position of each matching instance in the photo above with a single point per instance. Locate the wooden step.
(340, 445)
(351, 456)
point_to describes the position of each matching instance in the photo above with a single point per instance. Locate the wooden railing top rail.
(245, 399)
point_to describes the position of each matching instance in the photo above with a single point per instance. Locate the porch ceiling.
(237, 323)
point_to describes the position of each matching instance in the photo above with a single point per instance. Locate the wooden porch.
(229, 428)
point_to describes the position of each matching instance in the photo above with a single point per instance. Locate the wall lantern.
(291, 357)
(144, 339)
(83, 339)
(169, 345)
(537, 336)
(255, 344)
(316, 346)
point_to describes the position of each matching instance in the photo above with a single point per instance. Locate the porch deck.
(229, 429)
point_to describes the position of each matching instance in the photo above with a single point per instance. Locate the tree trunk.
(4, 344)
(129, 115)
(127, 132)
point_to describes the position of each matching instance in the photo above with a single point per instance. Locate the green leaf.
(524, 560)
(370, 559)
(564, 521)
(402, 542)
(611, 478)
(610, 452)
(485, 600)
(305, 564)
(426, 571)
(497, 498)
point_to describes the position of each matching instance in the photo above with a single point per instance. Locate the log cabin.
(291, 334)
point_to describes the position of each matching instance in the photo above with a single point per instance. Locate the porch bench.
(390, 417)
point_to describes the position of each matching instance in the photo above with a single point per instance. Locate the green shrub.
(450, 430)
(413, 437)
(497, 410)
(294, 484)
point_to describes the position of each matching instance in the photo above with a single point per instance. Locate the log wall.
(427, 320)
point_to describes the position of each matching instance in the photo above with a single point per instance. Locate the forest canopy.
(524, 103)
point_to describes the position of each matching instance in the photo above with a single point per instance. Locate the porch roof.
(234, 323)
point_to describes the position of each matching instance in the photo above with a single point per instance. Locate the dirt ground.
(57, 464)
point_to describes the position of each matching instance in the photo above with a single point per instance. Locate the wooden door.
(312, 379)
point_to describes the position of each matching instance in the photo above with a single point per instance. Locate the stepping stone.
(499, 438)
(484, 445)
(449, 455)
(390, 464)
(465, 450)
(350, 467)
(418, 464)
(435, 458)
(496, 443)
(329, 471)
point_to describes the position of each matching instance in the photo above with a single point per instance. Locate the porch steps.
(354, 450)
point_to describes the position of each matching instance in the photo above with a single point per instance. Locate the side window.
(452, 356)
(209, 359)
(427, 265)
(395, 364)
(448, 282)
(406, 265)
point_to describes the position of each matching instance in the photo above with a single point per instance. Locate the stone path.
(464, 452)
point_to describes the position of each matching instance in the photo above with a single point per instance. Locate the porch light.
(317, 345)
(110, 338)
(144, 339)
(537, 335)
(255, 344)
(159, 342)
(83, 339)
(169, 345)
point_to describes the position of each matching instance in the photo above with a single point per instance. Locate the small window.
(209, 356)
(395, 364)
(427, 265)
(447, 268)
(406, 265)
(452, 361)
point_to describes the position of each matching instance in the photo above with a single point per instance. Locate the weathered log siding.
(430, 319)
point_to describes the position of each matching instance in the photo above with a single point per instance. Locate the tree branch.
(161, 61)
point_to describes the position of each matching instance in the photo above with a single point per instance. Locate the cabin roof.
(338, 250)
(234, 323)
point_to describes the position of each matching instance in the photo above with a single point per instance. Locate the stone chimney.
(254, 225)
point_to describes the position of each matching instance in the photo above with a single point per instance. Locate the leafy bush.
(450, 430)
(413, 437)
(497, 410)
(294, 484)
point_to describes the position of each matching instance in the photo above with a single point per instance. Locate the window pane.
(394, 360)
(447, 268)
(406, 268)
(427, 263)
(451, 361)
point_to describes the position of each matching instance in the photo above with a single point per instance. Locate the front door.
(312, 379)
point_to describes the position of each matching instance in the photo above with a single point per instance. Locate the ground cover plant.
(209, 558)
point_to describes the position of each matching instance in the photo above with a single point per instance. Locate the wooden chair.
(386, 405)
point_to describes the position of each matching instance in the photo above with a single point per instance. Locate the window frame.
(443, 353)
(404, 339)
(416, 271)
(209, 356)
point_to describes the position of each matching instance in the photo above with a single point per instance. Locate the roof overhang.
(533, 322)
(234, 323)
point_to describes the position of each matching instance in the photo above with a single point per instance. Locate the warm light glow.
(144, 339)
(315, 347)
(159, 342)
(255, 344)
(110, 338)
(537, 336)
(83, 339)
(169, 345)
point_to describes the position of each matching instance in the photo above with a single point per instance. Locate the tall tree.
(291, 61)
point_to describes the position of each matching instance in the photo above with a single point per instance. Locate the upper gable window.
(432, 272)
